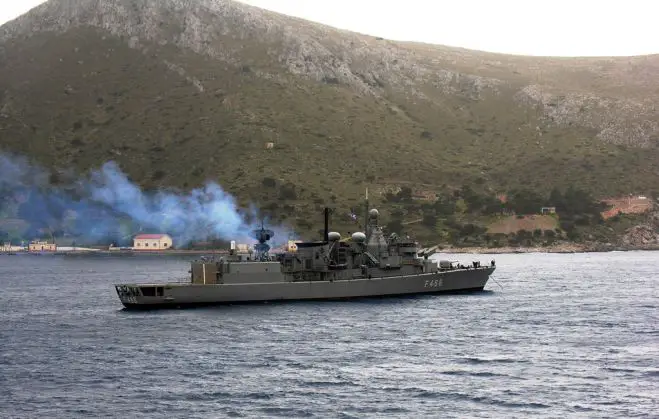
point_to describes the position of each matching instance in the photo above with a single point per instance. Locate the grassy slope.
(512, 224)
(100, 100)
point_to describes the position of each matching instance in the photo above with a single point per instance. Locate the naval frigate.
(366, 264)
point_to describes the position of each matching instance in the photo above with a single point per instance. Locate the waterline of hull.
(184, 295)
(175, 305)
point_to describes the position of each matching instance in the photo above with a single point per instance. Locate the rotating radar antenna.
(262, 248)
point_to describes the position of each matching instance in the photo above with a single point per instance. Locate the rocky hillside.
(281, 109)
(645, 234)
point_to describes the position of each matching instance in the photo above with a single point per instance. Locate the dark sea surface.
(554, 335)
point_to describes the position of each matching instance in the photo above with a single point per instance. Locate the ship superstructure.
(362, 265)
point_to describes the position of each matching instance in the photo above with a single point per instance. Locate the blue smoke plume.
(107, 207)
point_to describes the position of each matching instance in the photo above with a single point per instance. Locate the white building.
(152, 242)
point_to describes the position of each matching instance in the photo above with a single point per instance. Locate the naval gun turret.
(262, 248)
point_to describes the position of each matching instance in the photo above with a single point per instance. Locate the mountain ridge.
(145, 23)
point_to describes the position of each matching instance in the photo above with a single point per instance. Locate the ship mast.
(366, 214)
(326, 229)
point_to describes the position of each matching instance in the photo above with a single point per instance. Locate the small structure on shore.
(41, 246)
(152, 242)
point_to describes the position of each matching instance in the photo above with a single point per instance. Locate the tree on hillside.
(579, 201)
(444, 205)
(478, 202)
(525, 201)
(395, 226)
(577, 207)
(555, 199)
(473, 200)
(405, 194)
(287, 192)
(429, 220)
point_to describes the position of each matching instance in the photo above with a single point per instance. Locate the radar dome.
(359, 237)
(334, 236)
(374, 213)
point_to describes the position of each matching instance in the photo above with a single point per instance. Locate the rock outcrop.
(643, 235)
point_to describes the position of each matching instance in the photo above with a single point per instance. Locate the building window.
(146, 244)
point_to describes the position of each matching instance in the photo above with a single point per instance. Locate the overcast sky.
(531, 27)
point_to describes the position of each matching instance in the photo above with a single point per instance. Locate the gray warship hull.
(150, 296)
(365, 265)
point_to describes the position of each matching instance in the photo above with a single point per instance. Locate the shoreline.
(561, 248)
(91, 252)
(558, 248)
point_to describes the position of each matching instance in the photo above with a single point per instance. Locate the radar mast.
(262, 248)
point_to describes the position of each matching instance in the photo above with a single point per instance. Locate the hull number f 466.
(432, 283)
